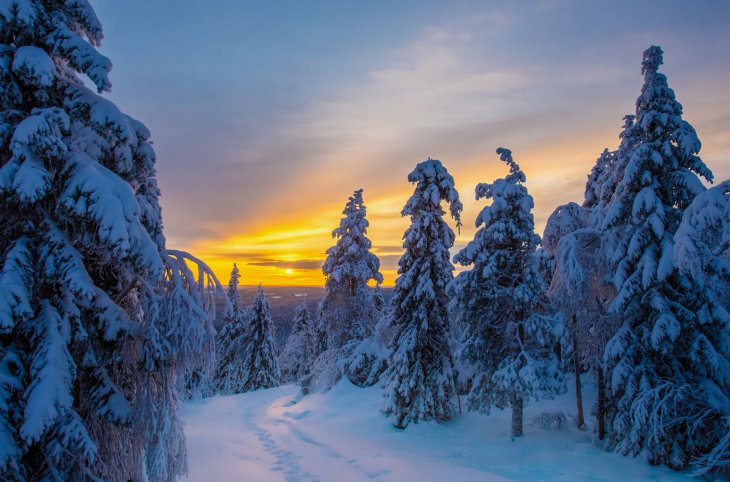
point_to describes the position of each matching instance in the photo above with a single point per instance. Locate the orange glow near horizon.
(289, 250)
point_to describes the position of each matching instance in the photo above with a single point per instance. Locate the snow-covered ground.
(341, 436)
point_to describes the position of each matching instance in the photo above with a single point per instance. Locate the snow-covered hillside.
(341, 436)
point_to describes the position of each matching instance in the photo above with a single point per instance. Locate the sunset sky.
(266, 115)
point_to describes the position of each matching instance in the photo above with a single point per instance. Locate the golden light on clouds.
(289, 250)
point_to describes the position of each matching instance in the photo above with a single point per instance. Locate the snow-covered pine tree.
(545, 265)
(420, 382)
(574, 241)
(230, 374)
(299, 352)
(234, 296)
(370, 359)
(597, 178)
(607, 173)
(510, 335)
(98, 321)
(350, 308)
(260, 362)
(580, 296)
(564, 220)
(702, 250)
(629, 137)
(668, 362)
(702, 241)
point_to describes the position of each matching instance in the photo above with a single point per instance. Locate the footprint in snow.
(297, 415)
(286, 460)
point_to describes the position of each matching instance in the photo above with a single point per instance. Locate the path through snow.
(271, 435)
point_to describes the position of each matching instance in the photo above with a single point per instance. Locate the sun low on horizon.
(279, 113)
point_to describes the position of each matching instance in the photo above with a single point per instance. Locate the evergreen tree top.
(349, 263)
(656, 95)
(659, 115)
(301, 317)
(233, 295)
(301, 309)
(630, 135)
(653, 58)
(515, 173)
(504, 192)
(433, 185)
(354, 220)
(508, 220)
(261, 302)
(565, 219)
(235, 276)
(658, 158)
(596, 178)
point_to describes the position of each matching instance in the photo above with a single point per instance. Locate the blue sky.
(266, 115)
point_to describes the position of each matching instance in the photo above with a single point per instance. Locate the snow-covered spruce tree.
(580, 296)
(370, 359)
(702, 241)
(607, 173)
(234, 296)
(702, 251)
(510, 333)
(230, 374)
(420, 382)
(350, 308)
(668, 361)
(597, 179)
(563, 221)
(575, 243)
(629, 137)
(545, 265)
(298, 354)
(260, 363)
(98, 321)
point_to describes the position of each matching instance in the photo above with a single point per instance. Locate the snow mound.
(551, 421)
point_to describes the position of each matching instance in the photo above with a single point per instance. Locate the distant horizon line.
(292, 286)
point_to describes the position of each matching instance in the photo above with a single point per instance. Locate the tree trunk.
(601, 411)
(580, 420)
(516, 416)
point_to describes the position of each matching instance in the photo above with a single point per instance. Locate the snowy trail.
(285, 459)
(270, 435)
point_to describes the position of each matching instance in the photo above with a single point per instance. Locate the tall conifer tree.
(99, 322)
(260, 362)
(420, 383)
(669, 360)
(510, 336)
(299, 352)
(230, 374)
(350, 308)
(234, 296)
